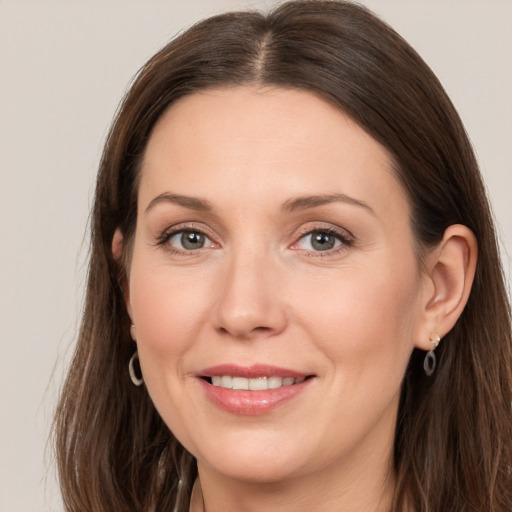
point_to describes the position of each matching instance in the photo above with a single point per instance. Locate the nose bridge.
(249, 299)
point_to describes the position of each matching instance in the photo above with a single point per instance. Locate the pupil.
(322, 241)
(192, 240)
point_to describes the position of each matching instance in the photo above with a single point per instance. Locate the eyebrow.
(192, 203)
(291, 205)
(305, 202)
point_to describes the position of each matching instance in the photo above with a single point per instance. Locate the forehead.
(249, 144)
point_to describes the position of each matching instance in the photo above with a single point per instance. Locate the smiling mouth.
(252, 390)
(254, 384)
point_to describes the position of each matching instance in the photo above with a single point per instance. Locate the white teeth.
(240, 383)
(275, 382)
(256, 384)
(226, 381)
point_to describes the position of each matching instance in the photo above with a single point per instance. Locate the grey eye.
(189, 240)
(192, 240)
(322, 241)
(319, 241)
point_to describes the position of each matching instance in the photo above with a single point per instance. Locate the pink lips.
(251, 402)
(251, 372)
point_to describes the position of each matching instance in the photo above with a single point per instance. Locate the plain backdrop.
(64, 66)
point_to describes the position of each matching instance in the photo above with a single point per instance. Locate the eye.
(319, 241)
(322, 240)
(188, 240)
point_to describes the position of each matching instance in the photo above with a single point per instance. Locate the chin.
(263, 471)
(263, 463)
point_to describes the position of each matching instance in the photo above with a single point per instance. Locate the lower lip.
(252, 403)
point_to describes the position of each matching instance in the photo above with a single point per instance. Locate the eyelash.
(169, 233)
(346, 239)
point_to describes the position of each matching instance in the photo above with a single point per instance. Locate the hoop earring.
(138, 381)
(430, 362)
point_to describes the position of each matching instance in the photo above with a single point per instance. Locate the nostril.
(262, 329)
(245, 332)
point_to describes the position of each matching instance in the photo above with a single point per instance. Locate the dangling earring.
(429, 364)
(138, 381)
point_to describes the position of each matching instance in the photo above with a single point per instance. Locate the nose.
(251, 300)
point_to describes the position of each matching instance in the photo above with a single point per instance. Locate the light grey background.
(63, 68)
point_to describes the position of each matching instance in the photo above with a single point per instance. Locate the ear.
(450, 269)
(117, 253)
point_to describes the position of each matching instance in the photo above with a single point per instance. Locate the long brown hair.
(453, 444)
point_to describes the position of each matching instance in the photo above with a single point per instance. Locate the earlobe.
(117, 253)
(451, 269)
(117, 245)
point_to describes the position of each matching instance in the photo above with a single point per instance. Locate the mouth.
(254, 384)
(252, 390)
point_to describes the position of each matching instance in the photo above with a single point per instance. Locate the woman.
(295, 298)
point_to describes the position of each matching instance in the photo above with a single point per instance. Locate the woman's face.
(273, 251)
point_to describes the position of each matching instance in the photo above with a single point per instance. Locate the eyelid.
(343, 235)
(168, 233)
(346, 238)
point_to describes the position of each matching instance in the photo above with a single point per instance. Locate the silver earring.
(138, 381)
(132, 331)
(429, 364)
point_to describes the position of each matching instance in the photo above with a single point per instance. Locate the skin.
(258, 291)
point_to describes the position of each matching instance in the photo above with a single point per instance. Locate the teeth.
(226, 382)
(256, 384)
(275, 382)
(240, 383)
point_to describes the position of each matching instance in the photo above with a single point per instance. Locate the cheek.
(168, 310)
(367, 312)
(363, 323)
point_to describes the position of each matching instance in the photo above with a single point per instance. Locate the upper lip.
(251, 372)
